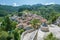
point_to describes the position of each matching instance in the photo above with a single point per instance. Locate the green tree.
(53, 16)
(20, 13)
(3, 35)
(17, 33)
(50, 37)
(13, 25)
(7, 24)
(35, 23)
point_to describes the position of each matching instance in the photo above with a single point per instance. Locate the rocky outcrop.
(58, 21)
(39, 35)
(26, 32)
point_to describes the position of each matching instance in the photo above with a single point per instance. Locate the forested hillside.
(5, 9)
(46, 11)
(50, 12)
(35, 7)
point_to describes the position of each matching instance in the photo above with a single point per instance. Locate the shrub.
(50, 37)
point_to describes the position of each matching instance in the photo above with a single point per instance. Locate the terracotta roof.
(28, 18)
(43, 20)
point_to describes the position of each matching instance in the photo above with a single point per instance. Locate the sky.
(28, 2)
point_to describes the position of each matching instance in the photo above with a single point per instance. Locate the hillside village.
(24, 20)
(44, 29)
(29, 19)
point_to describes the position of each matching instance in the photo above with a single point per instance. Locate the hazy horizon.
(28, 2)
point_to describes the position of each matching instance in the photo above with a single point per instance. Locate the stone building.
(26, 18)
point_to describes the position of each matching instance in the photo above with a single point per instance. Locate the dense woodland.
(45, 11)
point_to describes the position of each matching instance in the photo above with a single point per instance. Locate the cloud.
(49, 3)
(14, 4)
